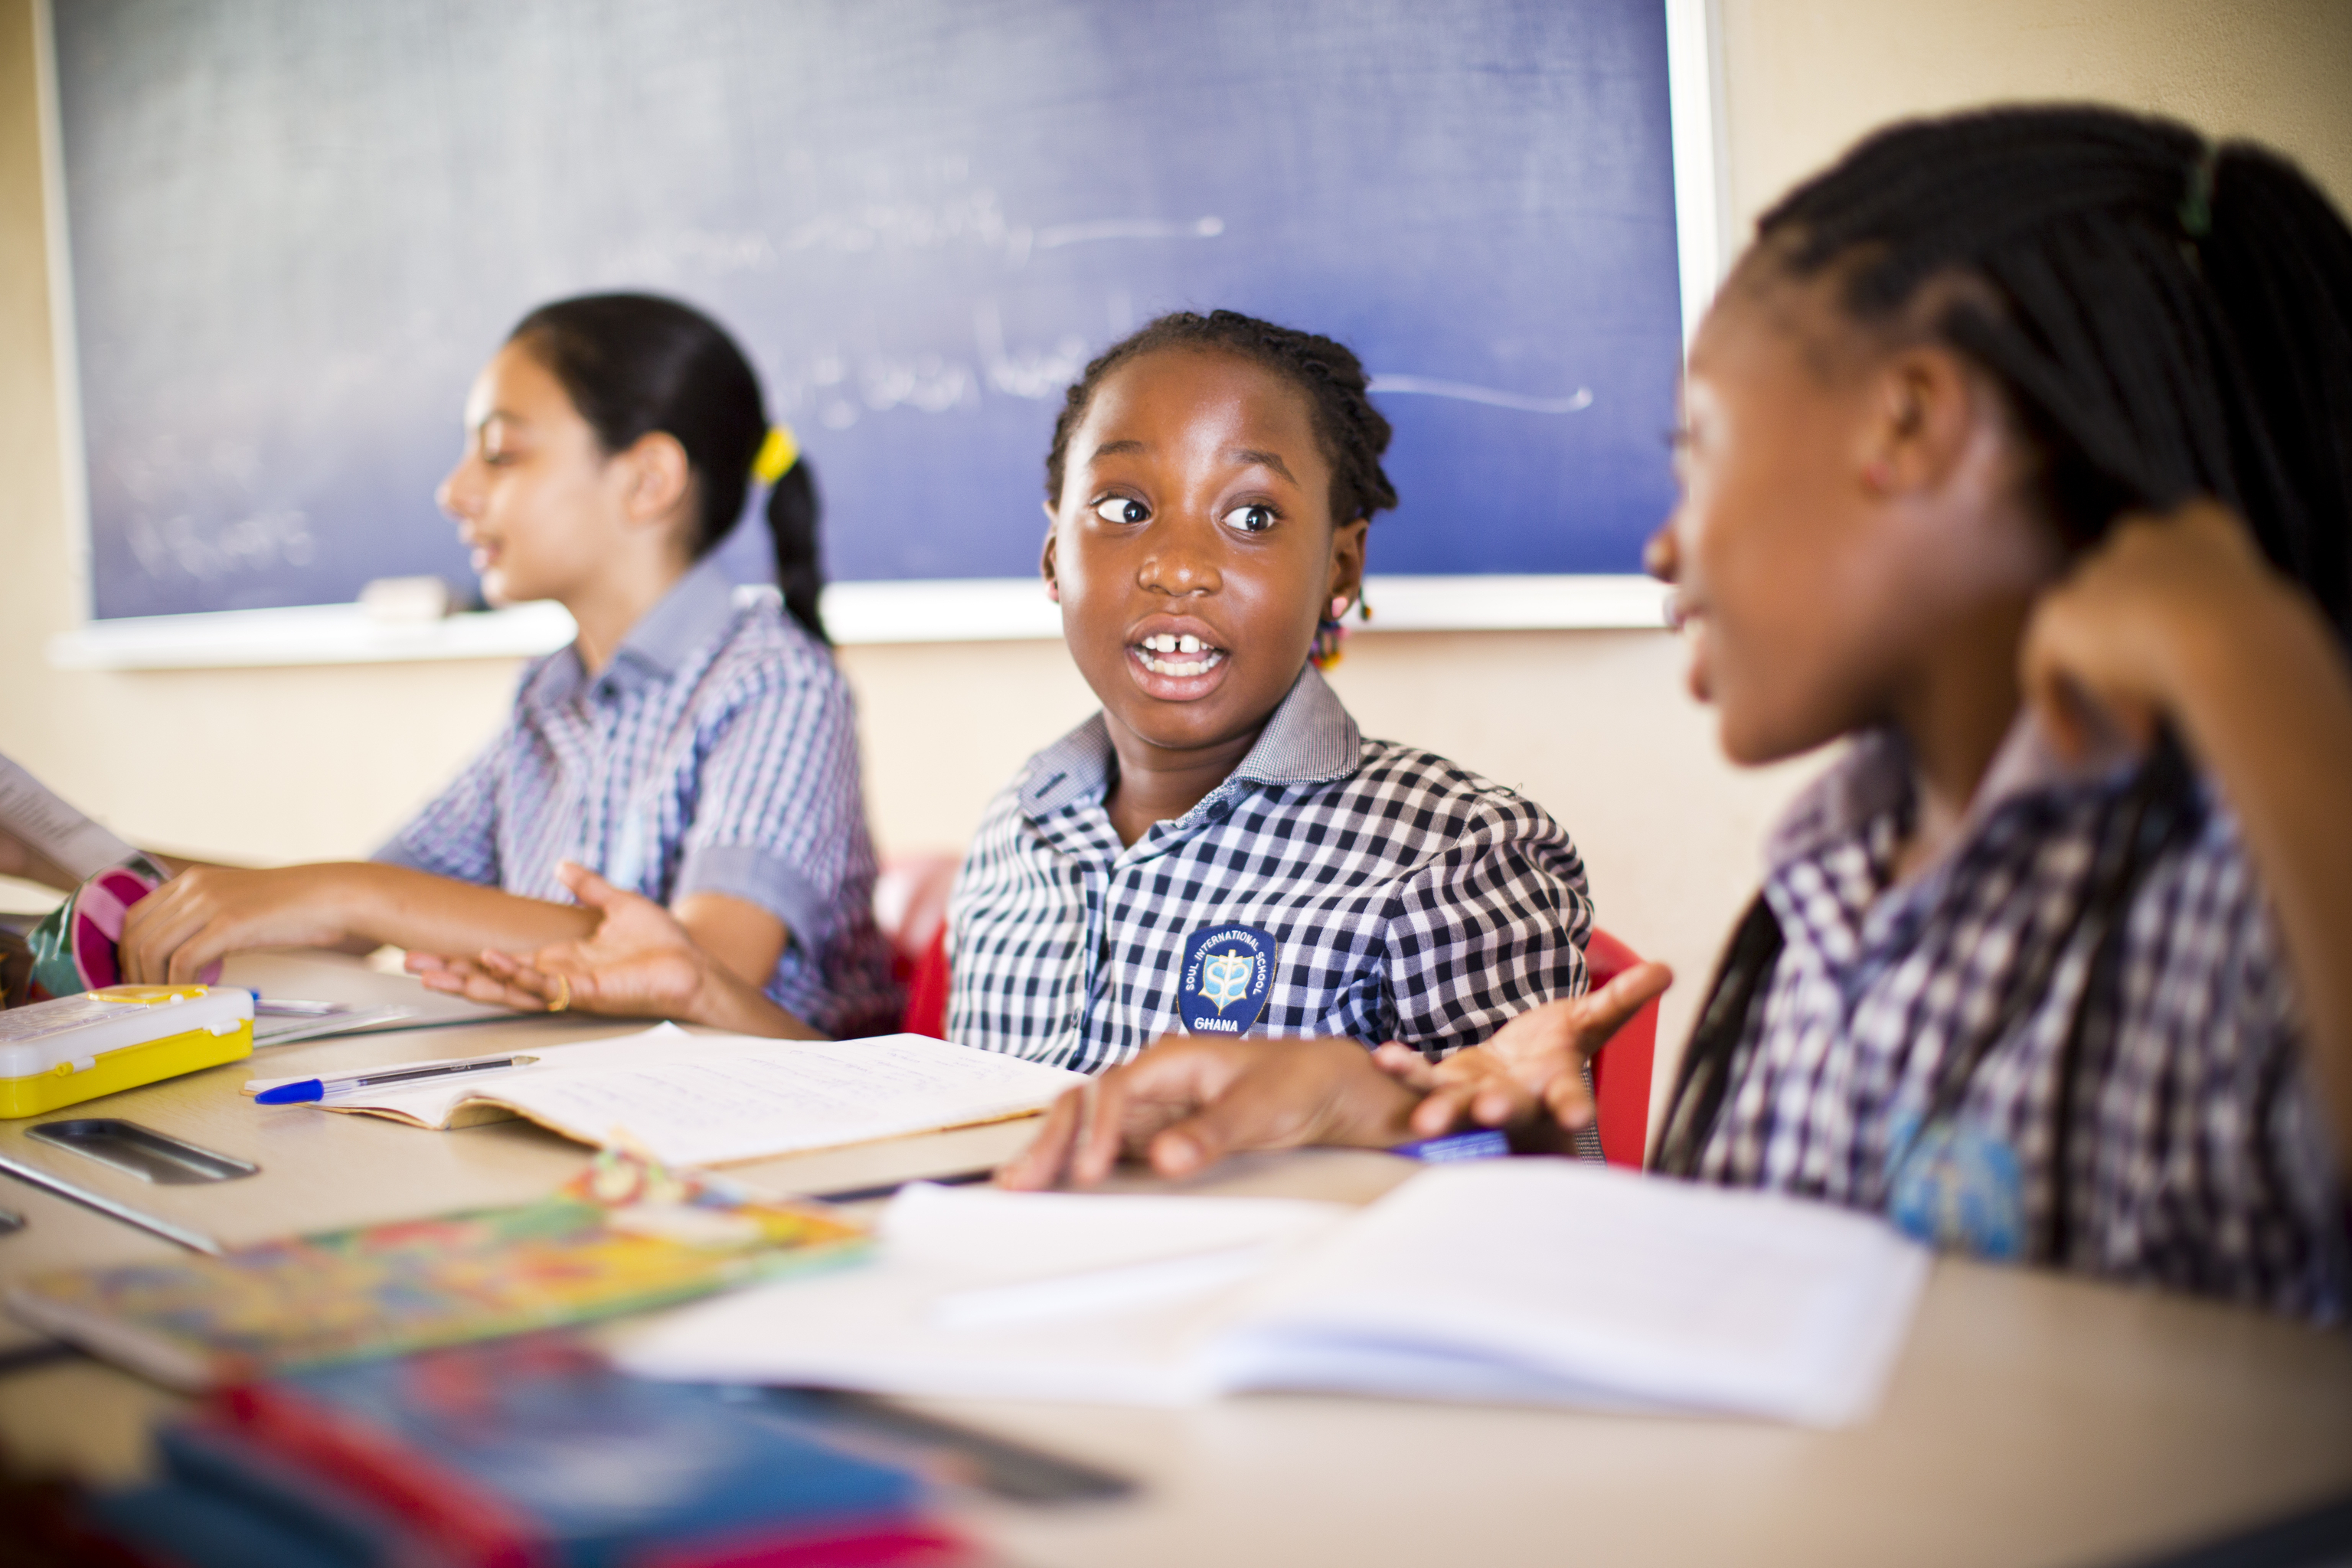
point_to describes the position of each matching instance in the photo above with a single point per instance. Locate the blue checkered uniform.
(1408, 900)
(716, 753)
(2200, 1156)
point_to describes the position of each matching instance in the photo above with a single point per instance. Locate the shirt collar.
(683, 622)
(1310, 738)
(1873, 780)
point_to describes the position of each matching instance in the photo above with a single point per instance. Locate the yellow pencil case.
(78, 1048)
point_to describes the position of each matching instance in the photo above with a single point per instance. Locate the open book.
(707, 1100)
(1509, 1281)
(54, 829)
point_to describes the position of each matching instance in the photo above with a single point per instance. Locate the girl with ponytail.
(2018, 455)
(686, 769)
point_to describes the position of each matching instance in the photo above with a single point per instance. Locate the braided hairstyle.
(634, 364)
(2167, 317)
(1351, 432)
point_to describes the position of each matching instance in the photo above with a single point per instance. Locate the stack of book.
(523, 1452)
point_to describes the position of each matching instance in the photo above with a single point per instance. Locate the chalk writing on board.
(1493, 397)
(974, 217)
(209, 552)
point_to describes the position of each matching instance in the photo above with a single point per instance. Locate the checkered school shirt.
(716, 753)
(2200, 1154)
(1408, 900)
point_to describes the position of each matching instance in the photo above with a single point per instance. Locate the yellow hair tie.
(777, 454)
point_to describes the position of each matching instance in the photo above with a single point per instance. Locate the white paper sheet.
(891, 1326)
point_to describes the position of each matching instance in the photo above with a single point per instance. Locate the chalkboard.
(297, 229)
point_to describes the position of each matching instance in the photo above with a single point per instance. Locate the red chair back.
(910, 905)
(1621, 1069)
(926, 980)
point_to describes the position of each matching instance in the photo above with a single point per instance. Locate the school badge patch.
(1957, 1189)
(1227, 972)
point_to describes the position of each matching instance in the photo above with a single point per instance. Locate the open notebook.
(707, 1100)
(1509, 1281)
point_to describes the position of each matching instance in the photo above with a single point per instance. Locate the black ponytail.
(2168, 317)
(793, 512)
(634, 364)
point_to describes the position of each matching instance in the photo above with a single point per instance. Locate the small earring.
(1329, 635)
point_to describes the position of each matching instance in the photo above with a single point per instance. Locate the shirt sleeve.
(778, 817)
(1495, 926)
(456, 834)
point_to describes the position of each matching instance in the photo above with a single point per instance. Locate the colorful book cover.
(624, 1237)
(528, 1453)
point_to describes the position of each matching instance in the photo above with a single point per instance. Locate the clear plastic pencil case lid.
(77, 1048)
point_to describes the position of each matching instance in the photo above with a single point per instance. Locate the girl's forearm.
(378, 904)
(724, 1001)
(2264, 700)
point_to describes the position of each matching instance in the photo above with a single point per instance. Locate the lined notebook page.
(706, 1102)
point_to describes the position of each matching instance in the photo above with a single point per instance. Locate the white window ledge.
(994, 609)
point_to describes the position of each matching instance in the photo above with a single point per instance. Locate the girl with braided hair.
(1218, 850)
(2018, 455)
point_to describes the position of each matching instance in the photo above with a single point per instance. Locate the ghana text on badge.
(1227, 972)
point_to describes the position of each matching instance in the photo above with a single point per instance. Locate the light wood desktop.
(2032, 1419)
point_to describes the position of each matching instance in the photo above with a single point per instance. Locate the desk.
(2033, 1419)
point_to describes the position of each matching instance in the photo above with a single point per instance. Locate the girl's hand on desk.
(1189, 1102)
(1529, 1076)
(210, 911)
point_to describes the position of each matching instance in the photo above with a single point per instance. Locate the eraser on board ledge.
(407, 600)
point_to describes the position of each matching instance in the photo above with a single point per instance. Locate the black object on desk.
(141, 1152)
(2318, 1537)
(991, 1464)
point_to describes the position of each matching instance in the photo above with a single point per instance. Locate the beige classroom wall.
(274, 764)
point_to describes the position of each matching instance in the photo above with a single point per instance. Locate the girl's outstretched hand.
(1529, 1076)
(639, 962)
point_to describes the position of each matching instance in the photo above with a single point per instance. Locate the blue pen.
(310, 1088)
(1486, 1144)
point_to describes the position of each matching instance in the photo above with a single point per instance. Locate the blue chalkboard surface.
(297, 230)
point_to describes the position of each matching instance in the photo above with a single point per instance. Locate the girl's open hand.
(1189, 1102)
(639, 962)
(1529, 1076)
(2111, 648)
(207, 912)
